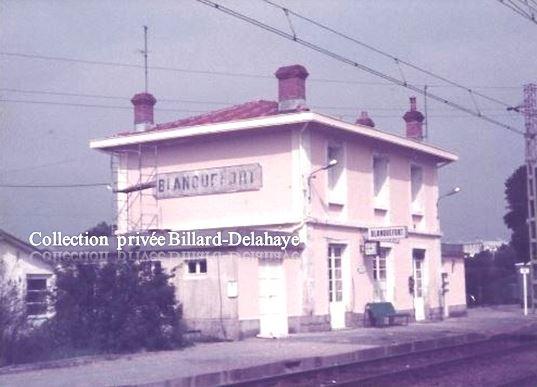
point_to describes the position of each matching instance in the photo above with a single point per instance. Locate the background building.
(31, 275)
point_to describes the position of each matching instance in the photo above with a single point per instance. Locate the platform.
(212, 363)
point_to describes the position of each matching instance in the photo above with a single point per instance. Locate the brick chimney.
(414, 122)
(365, 120)
(143, 111)
(292, 88)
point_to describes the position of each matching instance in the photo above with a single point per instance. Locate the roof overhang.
(110, 143)
(16, 242)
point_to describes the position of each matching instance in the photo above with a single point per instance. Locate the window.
(380, 181)
(379, 268)
(418, 255)
(151, 267)
(336, 179)
(418, 280)
(36, 295)
(416, 185)
(196, 266)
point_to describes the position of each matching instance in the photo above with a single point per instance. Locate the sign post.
(525, 271)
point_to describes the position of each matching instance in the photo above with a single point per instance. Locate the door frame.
(419, 302)
(337, 309)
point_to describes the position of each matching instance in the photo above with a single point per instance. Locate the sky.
(44, 134)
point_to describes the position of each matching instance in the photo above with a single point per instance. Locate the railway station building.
(362, 201)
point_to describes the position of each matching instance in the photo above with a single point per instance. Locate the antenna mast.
(144, 52)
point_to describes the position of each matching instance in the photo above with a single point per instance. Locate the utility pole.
(530, 117)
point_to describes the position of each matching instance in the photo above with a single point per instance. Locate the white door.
(419, 302)
(335, 287)
(272, 303)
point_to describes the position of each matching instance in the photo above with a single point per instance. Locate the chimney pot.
(365, 120)
(292, 88)
(143, 111)
(414, 121)
(413, 104)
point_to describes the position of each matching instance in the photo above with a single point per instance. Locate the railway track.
(410, 368)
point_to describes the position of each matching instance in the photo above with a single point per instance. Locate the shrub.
(117, 307)
(113, 308)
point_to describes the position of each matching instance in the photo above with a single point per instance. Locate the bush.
(118, 307)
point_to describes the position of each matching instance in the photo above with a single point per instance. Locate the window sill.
(35, 317)
(195, 276)
(418, 212)
(381, 206)
(334, 200)
(334, 203)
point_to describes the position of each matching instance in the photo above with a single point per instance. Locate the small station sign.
(387, 233)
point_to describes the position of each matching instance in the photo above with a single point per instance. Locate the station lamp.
(332, 163)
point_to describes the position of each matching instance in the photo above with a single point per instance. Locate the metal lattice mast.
(530, 117)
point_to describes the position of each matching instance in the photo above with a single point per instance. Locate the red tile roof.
(246, 110)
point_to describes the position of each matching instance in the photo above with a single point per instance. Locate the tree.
(12, 316)
(117, 307)
(491, 276)
(517, 215)
(101, 229)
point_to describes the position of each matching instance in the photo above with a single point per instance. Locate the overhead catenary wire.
(525, 8)
(397, 60)
(355, 64)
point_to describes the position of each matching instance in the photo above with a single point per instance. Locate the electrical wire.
(218, 73)
(204, 111)
(105, 96)
(45, 165)
(53, 185)
(174, 69)
(397, 60)
(92, 105)
(355, 64)
(199, 102)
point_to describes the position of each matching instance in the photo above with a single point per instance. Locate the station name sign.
(387, 233)
(208, 181)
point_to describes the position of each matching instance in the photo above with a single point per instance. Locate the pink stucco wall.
(359, 161)
(287, 156)
(271, 149)
(454, 267)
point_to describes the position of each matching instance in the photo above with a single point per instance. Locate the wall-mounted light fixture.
(332, 163)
